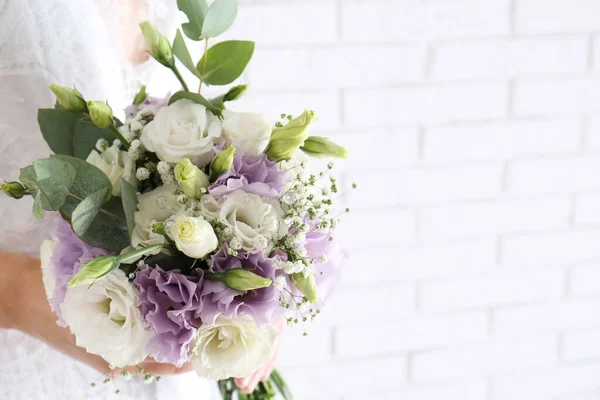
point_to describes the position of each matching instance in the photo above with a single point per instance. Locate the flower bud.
(286, 140)
(240, 279)
(158, 45)
(69, 98)
(13, 189)
(306, 285)
(193, 236)
(321, 147)
(100, 113)
(222, 162)
(94, 270)
(191, 178)
(140, 96)
(235, 93)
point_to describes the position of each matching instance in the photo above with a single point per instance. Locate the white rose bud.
(193, 236)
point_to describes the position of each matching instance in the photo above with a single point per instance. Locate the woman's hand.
(23, 306)
(262, 374)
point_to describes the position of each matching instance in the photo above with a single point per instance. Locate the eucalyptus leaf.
(182, 53)
(86, 136)
(225, 62)
(196, 98)
(85, 213)
(28, 178)
(38, 211)
(195, 10)
(219, 18)
(109, 228)
(53, 179)
(232, 94)
(130, 200)
(58, 128)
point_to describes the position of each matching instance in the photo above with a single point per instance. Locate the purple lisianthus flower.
(68, 256)
(170, 304)
(327, 256)
(253, 173)
(152, 103)
(261, 304)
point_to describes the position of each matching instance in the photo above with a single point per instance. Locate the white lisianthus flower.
(48, 267)
(248, 132)
(244, 214)
(116, 165)
(193, 236)
(153, 207)
(106, 321)
(232, 347)
(182, 130)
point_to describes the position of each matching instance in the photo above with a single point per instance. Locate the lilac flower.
(327, 256)
(154, 103)
(69, 254)
(262, 304)
(170, 303)
(253, 173)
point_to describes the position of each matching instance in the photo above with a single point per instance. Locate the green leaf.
(53, 179)
(226, 61)
(281, 385)
(109, 228)
(86, 136)
(182, 53)
(219, 18)
(58, 128)
(140, 96)
(28, 177)
(38, 211)
(130, 200)
(195, 10)
(196, 98)
(86, 212)
(232, 94)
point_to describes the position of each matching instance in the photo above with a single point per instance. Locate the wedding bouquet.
(187, 232)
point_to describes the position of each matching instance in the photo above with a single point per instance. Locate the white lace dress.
(80, 42)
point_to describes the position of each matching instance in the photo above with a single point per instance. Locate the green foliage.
(130, 201)
(182, 53)
(232, 94)
(205, 22)
(225, 62)
(196, 98)
(195, 10)
(140, 96)
(86, 136)
(58, 128)
(85, 213)
(52, 179)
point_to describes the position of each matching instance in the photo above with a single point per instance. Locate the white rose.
(193, 236)
(232, 347)
(182, 130)
(153, 207)
(106, 321)
(48, 267)
(248, 132)
(116, 165)
(245, 214)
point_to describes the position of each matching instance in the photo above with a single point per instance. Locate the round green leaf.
(85, 213)
(219, 18)
(226, 61)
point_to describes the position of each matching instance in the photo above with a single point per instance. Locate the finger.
(156, 368)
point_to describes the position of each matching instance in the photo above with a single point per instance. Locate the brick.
(554, 175)
(498, 288)
(485, 359)
(393, 227)
(587, 208)
(413, 186)
(585, 278)
(424, 104)
(546, 318)
(551, 248)
(285, 23)
(336, 67)
(556, 96)
(500, 141)
(410, 335)
(410, 19)
(554, 16)
(468, 391)
(581, 345)
(343, 305)
(547, 384)
(501, 216)
(421, 262)
(509, 57)
(325, 103)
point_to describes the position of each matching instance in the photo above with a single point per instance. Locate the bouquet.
(186, 232)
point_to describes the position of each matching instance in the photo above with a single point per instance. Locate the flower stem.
(203, 65)
(123, 141)
(180, 78)
(132, 255)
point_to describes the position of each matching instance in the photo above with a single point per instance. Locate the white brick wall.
(474, 248)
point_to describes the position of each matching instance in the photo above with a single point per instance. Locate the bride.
(96, 46)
